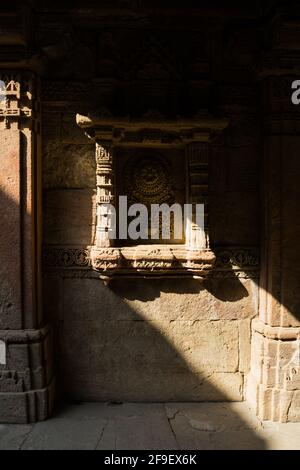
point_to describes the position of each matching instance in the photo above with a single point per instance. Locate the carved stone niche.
(151, 162)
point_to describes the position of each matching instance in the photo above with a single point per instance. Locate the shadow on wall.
(143, 340)
(116, 346)
(154, 340)
(112, 351)
(230, 290)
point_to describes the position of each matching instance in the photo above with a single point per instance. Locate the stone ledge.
(24, 336)
(276, 332)
(152, 260)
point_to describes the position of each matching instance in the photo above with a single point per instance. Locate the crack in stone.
(102, 433)
(171, 418)
(25, 438)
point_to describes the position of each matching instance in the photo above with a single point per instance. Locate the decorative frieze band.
(66, 257)
(237, 258)
(230, 262)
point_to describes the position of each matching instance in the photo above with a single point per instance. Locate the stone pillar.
(274, 381)
(26, 371)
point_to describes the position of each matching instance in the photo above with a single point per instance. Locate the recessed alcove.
(152, 162)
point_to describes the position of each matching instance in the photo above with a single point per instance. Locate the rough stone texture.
(173, 339)
(27, 376)
(216, 299)
(142, 339)
(69, 216)
(273, 383)
(10, 234)
(13, 436)
(290, 236)
(139, 340)
(132, 426)
(26, 369)
(75, 170)
(133, 360)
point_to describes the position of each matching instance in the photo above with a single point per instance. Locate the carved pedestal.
(274, 381)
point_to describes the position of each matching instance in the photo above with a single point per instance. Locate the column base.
(26, 375)
(27, 407)
(273, 385)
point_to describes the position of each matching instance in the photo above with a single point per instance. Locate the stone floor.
(149, 426)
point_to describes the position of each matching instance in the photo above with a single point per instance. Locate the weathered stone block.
(13, 408)
(68, 165)
(244, 345)
(171, 300)
(137, 360)
(69, 216)
(273, 383)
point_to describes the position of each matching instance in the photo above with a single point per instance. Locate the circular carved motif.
(147, 181)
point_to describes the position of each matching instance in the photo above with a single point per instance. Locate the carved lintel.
(143, 131)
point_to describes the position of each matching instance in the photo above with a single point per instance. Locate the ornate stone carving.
(146, 180)
(237, 258)
(153, 61)
(65, 257)
(144, 136)
(16, 93)
(105, 193)
(106, 260)
(230, 262)
(153, 260)
(198, 160)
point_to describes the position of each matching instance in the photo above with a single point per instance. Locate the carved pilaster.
(26, 368)
(20, 197)
(105, 194)
(273, 383)
(197, 237)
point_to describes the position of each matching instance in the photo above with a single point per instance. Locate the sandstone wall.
(141, 340)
